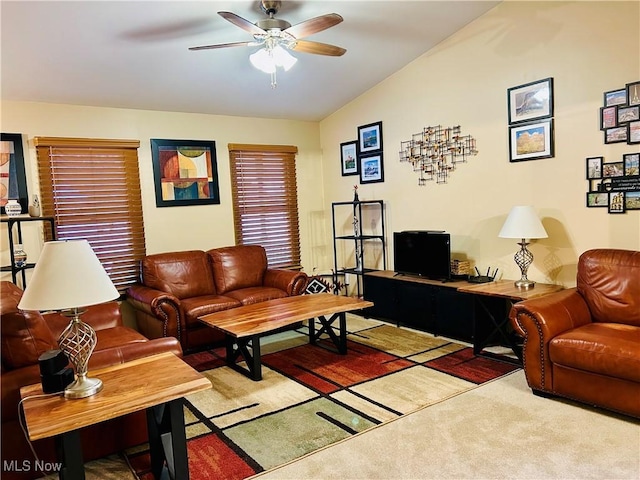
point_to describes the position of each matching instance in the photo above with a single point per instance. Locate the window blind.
(92, 189)
(265, 201)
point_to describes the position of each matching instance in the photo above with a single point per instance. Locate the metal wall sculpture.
(436, 151)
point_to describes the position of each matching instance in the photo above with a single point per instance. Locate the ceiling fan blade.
(222, 45)
(243, 23)
(318, 48)
(314, 25)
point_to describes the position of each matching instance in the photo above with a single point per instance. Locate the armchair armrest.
(291, 281)
(10, 384)
(158, 314)
(539, 320)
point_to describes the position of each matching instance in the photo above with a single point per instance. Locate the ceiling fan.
(278, 36)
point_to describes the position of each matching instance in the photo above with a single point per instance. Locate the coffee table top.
(128, 387)
(267, 316)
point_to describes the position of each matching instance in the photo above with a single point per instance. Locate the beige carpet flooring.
(497, 431)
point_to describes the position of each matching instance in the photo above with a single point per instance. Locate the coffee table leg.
(340, 340)
(240, 347)
(69, 450)
(168, 441)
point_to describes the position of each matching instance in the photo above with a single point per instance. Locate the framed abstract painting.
(185, 172)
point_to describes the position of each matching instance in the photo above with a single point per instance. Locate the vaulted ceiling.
(134, 54)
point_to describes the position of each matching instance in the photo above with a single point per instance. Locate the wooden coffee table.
(243, 326)
(156, 383)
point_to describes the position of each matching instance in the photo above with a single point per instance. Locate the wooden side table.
(155, 383)
(493, 302)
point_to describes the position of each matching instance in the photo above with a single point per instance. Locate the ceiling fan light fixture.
(263, 61)
(283, 58)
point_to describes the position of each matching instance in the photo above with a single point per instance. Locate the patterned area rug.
(310, 397)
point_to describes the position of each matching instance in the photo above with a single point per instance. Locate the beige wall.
(174, 228)
(588, 48)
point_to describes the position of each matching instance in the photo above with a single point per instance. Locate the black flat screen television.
(425, 253)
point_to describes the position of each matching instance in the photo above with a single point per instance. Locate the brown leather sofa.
(178, 287)
(583, 343)
(25, 336)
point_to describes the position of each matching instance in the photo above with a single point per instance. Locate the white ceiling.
(134, 54)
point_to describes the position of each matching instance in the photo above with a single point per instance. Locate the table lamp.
(67, 277)
(523, 223)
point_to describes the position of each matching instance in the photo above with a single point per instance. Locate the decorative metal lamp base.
(523, 259)
(78, 341)
(83, 387)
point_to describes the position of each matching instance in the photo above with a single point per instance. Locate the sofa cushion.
(251, 295)
(199, 306)
(25, 335)
(608, 279)
(237, 267)
(183, 274)
(609, 349)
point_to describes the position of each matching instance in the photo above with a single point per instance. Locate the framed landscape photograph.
(597, 199)
(370, 137)
(531, 141)
(615, 97)
(371, 168)
(349, 158)
(633, 93)
(185, 172)
(530, 101)
(616, 202)
(631, 163)
(13, 181)
(632, 200)
(628, 114)
(615, 135)
(633, 132)
(594, 167)
(608, 117)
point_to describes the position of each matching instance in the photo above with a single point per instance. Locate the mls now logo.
(28, 466)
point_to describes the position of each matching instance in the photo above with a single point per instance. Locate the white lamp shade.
(263, 61)
(283, 58)
(523, 222)
(67, 275)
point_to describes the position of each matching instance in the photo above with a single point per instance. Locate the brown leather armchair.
(178, 287)
(583, 343)
(25, 336)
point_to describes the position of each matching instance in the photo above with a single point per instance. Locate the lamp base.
(83, 387)
(525, 284)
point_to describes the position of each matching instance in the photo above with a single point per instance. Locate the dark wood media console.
(430, 305)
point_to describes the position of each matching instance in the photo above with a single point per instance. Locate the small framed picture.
(530, 101)
(370, 137)
(614, 169)
(615, 97)
(616, 202)
(631, 163)
(597, 199)
(594, 167)
(349, 158)
(608, 117)
(633, 132)
(633, 94)
(531, 141)
(371, 168)
(615, 135)
(628, 114)
(632, 200)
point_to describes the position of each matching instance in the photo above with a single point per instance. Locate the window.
(92, 189)
(265, 200)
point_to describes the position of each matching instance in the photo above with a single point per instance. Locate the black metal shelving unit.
(360, 238)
